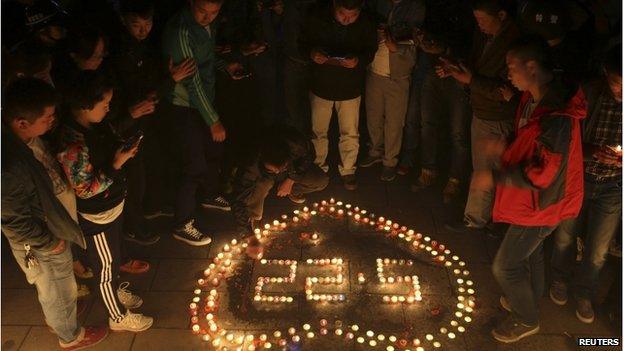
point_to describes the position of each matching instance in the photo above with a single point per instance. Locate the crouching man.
(286, 157)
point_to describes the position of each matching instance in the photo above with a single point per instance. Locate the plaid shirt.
(607, 130)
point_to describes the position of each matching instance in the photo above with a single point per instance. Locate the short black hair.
(273, 149)
(82, 40)
(87, 89)
(532, 48)
(349, 4)
(29, 58)
(613, 60)
(27, 98)
(493, 7)
(139, 8)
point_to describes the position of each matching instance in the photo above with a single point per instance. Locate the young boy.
(34, 215)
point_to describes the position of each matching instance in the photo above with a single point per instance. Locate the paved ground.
(167, 288)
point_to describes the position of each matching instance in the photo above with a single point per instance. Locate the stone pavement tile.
(242, 313)
(21, 307)
(539, 342)
(168, 309)
(12, 275)
(178, 274)
(167, 247)
(469, 247)
(138, 282)
(168, 339)
(487, 289)
(40, 339)
(420, 219)
(401, 196)
(13, 336)
(283, 246)
(354, 246)
(366, 195)
(562, 319)
(446, 214)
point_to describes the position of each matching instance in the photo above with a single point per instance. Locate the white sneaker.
(127, 298)
(134, 322)
(191, 235)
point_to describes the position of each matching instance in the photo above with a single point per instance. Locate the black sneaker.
(584, 310)
(388, 174)
(463, 228)
(191, 235)
(296, 198)
(369, 161)
(144, 239)
(219, 203)
(349, 181)
(558, 292)
(511, 330)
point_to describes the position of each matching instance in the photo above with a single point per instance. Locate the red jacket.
(541, 182)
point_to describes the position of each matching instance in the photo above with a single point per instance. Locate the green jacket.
(184, 38)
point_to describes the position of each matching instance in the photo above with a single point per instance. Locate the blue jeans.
(519, 270)
(445, 100)
(411, 130)
(599, 219)
(56, 289)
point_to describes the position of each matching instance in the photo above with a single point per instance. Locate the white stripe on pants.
(106, 277)
(348, 120)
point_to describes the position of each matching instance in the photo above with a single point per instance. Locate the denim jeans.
(445, 100)
(519, 270)
(56, 289)
(598, 220)
(411, 130)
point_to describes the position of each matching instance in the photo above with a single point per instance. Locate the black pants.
(133, 208)
(200, 159)
(104, 256)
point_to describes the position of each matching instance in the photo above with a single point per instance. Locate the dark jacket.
(489, 73)
(322, 31)
(31, 213)
(87, 156)
(542, 179)
(301, 158)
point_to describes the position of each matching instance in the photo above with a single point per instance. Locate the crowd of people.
(117, 112)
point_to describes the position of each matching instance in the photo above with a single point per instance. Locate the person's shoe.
(83, 290)
(451, 191)
(463, 228)
(369, 161)
(133, 322)
(402, 170)
(349, 181)
(164, 212)
(127, 298)
(219, 203)
(425, 180)
(143, 239)
(296, 198)
(135, 267)
(85, 273)
(89, 336)
(191, 235)
(505, 304)
(511, 330)
(388, 174)
(584, 310)
(558, 293)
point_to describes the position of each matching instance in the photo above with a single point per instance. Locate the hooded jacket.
(541, 182)
(31, 212)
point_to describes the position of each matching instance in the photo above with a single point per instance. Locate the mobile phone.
(339, 58)
(242, 74)
(130, 142)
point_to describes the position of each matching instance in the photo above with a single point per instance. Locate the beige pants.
(386, 106)
(348, 119)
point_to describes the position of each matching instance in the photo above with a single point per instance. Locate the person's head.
(347, 11)
(87, 47)
(30, 59)
(613, 71)
(137, 16)
(89, 96)
(274, 154)
(45, 19)
(528, 63)
(490, 15)
(29, 107)
(205, 11)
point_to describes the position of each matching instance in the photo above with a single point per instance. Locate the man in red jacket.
(539, 185)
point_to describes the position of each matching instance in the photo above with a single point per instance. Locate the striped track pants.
(104, 257)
